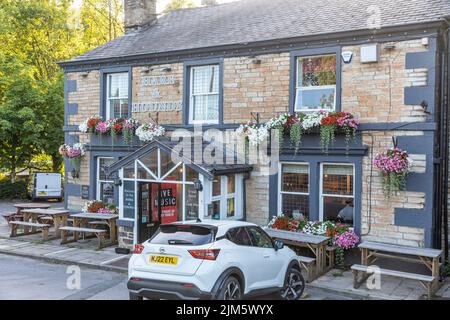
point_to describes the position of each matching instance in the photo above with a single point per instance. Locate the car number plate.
(42, 193)
(164, 260)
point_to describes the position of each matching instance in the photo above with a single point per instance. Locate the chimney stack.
(207, 3)
(139, 13)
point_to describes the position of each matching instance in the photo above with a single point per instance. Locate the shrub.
(16, 190)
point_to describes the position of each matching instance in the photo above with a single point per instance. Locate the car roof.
(227, 224)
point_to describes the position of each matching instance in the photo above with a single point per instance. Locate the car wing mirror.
(278, 245)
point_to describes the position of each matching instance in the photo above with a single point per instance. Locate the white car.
(225, 260)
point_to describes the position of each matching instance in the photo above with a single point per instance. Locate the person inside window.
(345, 215)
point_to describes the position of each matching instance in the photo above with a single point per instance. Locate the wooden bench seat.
(99, 233)
(25, 225)
(426, 281)
(11, 216)
(309, 265)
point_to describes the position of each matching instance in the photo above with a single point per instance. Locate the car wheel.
(134, 296)
(231, 290)
(294, 285)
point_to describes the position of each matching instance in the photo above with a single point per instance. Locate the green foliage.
(447, 269)
(393, 182)
(16, 190)
(35, 35)
(179, 4)
(296, 134)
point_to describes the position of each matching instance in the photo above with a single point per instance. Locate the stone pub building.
(223, 65)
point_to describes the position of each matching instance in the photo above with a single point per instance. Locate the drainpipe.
(445, 106)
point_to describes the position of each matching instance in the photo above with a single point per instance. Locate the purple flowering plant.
(394, 165)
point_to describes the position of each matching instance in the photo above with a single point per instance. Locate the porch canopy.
(162, 156)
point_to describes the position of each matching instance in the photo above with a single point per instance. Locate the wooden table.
(82, 219)
(22, 206)
(59, 217)
(317, 245)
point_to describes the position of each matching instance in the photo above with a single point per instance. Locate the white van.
(46, 185)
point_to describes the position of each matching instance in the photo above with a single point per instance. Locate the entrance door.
(149, 215)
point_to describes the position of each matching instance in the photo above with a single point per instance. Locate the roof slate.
(248, 21)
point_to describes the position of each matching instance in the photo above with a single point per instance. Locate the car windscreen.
(188, 235)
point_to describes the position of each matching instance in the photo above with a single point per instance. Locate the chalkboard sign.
(191, 203)
(85, 192)
(128, 199)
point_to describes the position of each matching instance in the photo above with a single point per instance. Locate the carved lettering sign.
(155, 82)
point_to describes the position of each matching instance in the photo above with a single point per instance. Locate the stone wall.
(374, 92)
(378, 219)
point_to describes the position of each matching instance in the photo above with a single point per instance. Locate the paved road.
(29, 279)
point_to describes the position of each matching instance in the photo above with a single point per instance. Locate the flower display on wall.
(394, 165)
(97, 206)
(113, 127)
(73, 153)
(148, 132)
(253, 132)
(90, 124)
(297, 124)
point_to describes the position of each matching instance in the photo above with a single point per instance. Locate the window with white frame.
(294, 190)
(105, 187)
(337, 193)
(117, 95)
(204, 94)
(316, 83)
(225, 198)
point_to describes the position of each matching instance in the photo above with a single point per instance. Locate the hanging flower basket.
(394, 166)
(73, 153)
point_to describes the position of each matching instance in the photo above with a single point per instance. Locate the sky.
(160, 5)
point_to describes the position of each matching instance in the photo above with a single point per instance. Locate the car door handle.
(266, 256)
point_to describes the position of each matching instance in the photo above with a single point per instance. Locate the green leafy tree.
(179, 4)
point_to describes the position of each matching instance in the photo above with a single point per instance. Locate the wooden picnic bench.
(59, 217)
(372, 251)
(316, 244)
(96, 219)
(25, 225)
(11, 216)
(99, 233)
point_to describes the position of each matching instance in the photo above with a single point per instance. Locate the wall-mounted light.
(85, 74)
(166, 69)
(117, 182)
(198, 185)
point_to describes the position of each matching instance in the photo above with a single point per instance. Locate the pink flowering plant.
(394, 166)
(343, 241)
(73, 153)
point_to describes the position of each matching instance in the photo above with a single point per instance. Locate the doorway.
(157, 204)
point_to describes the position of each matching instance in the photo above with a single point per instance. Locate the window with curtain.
(337, 193)
(294, 193)
(316, 83)
(117, 96)
(204, 94)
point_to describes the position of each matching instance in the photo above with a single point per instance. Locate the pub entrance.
(157, 204)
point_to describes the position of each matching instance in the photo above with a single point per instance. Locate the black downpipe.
(445, 107)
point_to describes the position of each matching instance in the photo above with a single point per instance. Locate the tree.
(100, 21)
(20, 128)
(179, 4)
(34, 36)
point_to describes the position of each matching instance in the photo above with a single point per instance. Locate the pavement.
(50, 281)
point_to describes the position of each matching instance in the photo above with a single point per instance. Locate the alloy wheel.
(294, 286)
(233, 291)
